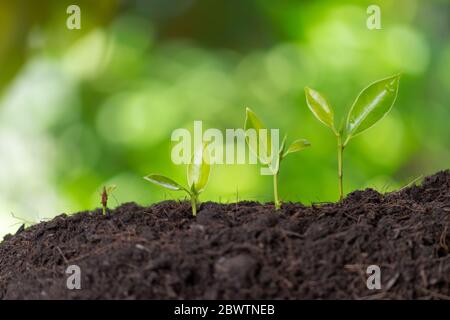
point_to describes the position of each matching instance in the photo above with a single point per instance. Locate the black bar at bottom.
(227, 309)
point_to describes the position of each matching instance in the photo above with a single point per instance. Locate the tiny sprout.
(371, 105)
(263, 149)
(107, 191)
(25, 222)
(198, 172)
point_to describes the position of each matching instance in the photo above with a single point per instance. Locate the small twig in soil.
(106, 192)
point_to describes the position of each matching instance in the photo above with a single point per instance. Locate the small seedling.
(198, 172)
(25, 222)
(371, 105)
(264, 149)
(106, 192)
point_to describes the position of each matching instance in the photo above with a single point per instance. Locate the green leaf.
(199, 169)
(283, 144)
(371, 105)
(320, 108)
(260, 147)
(164, 182)
(297, 146)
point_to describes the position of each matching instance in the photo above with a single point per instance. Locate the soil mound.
(241, 251)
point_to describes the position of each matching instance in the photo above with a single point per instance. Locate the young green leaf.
(164, 182)
(371, 105)
(283, 145)
(26, 222)
(297, 146)
(199, 170)
(320, 108)
(266, 149)
(261, 147)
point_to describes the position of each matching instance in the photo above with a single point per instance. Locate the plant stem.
(275, 191)
(104, 200)
(194, 204)
(340, 166)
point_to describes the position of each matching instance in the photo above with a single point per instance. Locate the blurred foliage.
(80, 109)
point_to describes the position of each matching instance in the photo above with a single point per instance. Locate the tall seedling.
(263, 149)
(371, 105)
(198, 172)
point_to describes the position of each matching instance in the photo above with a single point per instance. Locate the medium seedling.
(198, 172)
(263, 149)
(371, 105)
(106, 192)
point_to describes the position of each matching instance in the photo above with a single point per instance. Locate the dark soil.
(241, 251)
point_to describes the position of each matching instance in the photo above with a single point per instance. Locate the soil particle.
(241, 251)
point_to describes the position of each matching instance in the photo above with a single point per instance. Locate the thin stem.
(104, 200)
(340, 166)
(194, 204)
(275, 191)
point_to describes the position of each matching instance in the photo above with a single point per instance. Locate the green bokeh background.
(80, 109)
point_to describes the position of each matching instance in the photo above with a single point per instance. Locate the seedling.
(198, 172)
(264, 149)
(371, 105)
(107, 191)
(25, 222)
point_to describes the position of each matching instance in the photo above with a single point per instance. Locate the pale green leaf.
(371, 105)
(283, 145)
(199, 169)
(319, 107)
(164, 182)
(297, 146)
(260, 147)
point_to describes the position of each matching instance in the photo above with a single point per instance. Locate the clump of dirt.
(241, 251)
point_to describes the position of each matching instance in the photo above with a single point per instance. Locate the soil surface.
(241, 251)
